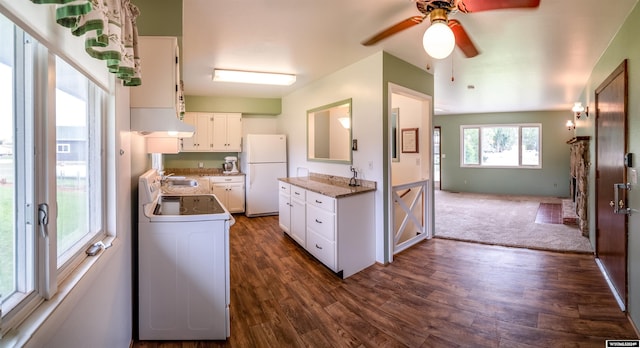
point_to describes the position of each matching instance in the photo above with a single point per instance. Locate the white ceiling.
(530, 59)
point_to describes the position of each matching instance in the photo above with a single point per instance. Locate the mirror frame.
(327, 107)
(394, 132)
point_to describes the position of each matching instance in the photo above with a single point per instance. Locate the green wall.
(159, 17)
(625, 45)
(247, 106)
(551, 180)
(192, 159)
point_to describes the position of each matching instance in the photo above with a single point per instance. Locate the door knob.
(620, 207)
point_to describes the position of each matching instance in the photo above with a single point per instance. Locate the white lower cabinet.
(339, 232)
(284, 207)
(322, 249)
(230, 191)
(291, 202)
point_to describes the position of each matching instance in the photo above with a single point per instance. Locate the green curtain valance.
(110, 31)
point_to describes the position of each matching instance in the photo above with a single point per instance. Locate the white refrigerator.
(265, 160)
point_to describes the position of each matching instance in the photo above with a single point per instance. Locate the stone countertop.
(329, 185)
(199, 174)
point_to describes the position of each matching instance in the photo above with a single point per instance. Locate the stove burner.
(188, 205)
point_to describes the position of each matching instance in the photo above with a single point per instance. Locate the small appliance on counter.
(230, 165)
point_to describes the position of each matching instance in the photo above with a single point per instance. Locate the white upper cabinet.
(160, 73)
(202, 137)
(227, 132)
(215, 132)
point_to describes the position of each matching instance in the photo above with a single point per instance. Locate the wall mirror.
(394, 134)
(329, 133)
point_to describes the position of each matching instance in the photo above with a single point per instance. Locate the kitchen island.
(333, 221)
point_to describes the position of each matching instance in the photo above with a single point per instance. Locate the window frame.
(34, 112)
(480, 128)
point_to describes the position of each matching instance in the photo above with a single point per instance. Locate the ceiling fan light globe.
(438, 40)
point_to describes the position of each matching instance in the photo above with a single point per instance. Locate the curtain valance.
(109, 28)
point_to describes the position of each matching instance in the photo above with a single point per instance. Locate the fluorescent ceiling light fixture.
(253, 77)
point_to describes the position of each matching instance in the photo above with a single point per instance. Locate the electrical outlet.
(200, 165)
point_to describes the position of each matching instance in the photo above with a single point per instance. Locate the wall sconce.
(570, 125)
(345, 122)
(578, 109)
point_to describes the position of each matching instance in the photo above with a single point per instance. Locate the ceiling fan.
(444, 33)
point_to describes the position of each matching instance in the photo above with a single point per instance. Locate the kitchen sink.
(182, 182)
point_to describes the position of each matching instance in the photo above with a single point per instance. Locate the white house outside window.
(502, 146)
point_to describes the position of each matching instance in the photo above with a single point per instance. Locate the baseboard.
(621, 303)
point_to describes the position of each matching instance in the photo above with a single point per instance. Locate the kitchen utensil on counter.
(230, 165)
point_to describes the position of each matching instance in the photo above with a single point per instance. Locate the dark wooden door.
(611, 228)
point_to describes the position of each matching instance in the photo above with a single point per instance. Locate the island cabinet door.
(284, 207)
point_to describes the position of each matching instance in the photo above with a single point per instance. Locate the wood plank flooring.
(440, 293)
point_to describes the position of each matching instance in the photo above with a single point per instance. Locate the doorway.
(611, 187)
(436, 158)
(411, 168)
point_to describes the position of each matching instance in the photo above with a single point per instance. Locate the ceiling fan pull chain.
(452, 78)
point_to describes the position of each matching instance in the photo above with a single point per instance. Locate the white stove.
(183, 258)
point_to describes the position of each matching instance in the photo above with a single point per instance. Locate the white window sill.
(77, 282)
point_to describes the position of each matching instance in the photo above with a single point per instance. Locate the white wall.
(362, 82)
(258, 124)
(410, 166)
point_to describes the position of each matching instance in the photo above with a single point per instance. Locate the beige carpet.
(503, 220)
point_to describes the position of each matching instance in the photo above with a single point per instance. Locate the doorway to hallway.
(411, 168)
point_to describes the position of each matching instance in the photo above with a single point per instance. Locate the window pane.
(471, 141)
(530, 146)
(500, 146)
(76, 145)
(8, 236)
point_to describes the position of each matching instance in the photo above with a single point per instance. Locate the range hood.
(159, 122)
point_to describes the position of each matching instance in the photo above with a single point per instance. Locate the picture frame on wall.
(409, 140)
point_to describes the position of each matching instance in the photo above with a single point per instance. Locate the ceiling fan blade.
(463, 41)
(394, 29)
(469, 6)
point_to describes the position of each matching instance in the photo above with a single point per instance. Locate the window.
(52, 138)
(505, 146)
(63, 148)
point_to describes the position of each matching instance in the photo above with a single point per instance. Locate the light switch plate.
(634, 177)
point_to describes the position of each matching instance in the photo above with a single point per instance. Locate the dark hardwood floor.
(440, 293)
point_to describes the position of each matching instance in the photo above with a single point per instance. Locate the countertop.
(201, 175)
(329, 185)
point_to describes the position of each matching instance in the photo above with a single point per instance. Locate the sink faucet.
(163, 178)
(353, 181)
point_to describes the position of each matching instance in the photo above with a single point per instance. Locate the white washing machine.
(183, 265)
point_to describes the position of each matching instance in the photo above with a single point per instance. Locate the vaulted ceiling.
(531, 59)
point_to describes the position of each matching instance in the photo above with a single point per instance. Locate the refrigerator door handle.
(252, 174)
